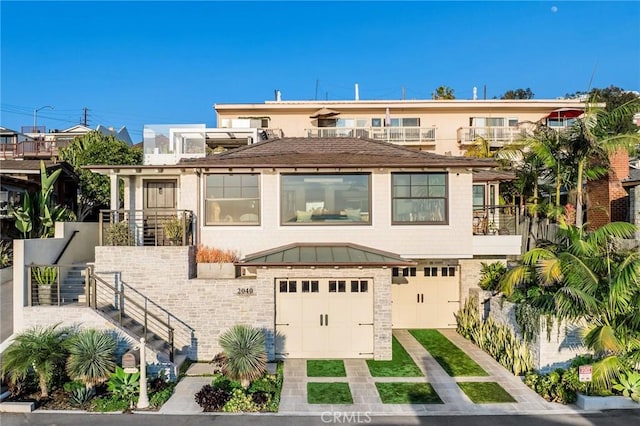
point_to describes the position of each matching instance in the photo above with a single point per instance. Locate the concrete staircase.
(72, 288)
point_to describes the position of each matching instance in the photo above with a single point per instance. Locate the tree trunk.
(579, 195)
(44, 391)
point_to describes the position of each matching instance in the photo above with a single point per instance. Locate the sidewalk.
(365, 396)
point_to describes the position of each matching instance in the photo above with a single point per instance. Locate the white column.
(143, 400)
(115, 194)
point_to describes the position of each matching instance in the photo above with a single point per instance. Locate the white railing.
(496, 135)
(397, 135)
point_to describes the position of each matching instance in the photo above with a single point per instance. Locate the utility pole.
(85, 110)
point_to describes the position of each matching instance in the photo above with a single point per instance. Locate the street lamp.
(35, 116)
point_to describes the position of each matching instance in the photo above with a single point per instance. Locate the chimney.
(278, 96)
(475, 93)
(357, 93)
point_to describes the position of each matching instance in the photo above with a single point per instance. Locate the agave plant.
(38, 349)
(244, 347)
(91, 357)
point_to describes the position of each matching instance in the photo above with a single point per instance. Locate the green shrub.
(124, 386)
(490, 275)
(159, 397)
(226, 384)
(108, 404)
(266, 384)
(118, 234)
(629, 385)
(557, 386)
(6, 254)
(71, 386)
(240, 402)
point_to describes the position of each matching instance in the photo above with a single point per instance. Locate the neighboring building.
(439, 126)
(342, 238)
(37, 143)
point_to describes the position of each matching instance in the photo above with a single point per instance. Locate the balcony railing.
(497, 220)
(397, 135)
(146, 227)
(35, 148)
(498, 136)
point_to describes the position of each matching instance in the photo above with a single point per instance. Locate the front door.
(159, 204)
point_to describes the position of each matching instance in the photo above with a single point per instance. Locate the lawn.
(485, 392)
(454, 361)
(326, 368)
(401, 364)
(407, 393)
(329, 393)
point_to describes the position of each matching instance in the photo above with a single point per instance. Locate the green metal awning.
(324, 254)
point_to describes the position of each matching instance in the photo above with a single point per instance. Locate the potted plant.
(46, 277)
(216, 263)
(173, 230)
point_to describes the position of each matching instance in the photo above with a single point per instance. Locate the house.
(438, 126)
(342, 239)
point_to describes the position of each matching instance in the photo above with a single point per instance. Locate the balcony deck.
(396, 135)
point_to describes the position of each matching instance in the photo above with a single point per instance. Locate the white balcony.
(498, 136)
(396, 135)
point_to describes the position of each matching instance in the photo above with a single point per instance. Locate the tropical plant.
(82, 396)
(557, 386)
(124, 386)
(6, 254)
(45, 275)
(443, 92)
(38, 349)
(629, 385)
(118, 234)
(37, 216)
(244, 347)
(490, 274)
(206, 254)
(593, 138)
(91, 357)
(586, 278)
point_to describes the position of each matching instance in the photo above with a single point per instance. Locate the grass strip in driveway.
(407, 393)
(329, 393)
(326, 368)
(401, 364)
(454, 361)
(485, 392)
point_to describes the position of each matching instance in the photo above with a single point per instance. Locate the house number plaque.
(246, 291)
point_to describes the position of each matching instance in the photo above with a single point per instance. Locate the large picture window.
(419, 198)
(336, 199)
(232, 199)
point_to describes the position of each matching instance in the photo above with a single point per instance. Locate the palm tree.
(592, 140)
(91, 357)
(246, 357)
(585, 277)
(38, 349)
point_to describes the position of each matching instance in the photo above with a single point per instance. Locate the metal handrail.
(73, 234)
(123, 303)
(146, 227)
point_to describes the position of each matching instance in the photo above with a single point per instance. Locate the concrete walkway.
(365, 395)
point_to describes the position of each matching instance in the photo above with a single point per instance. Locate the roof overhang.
(325, 255)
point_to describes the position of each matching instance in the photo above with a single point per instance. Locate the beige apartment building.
(445, 127)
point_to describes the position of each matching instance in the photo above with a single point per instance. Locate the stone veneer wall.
(550, 350)
(211, 306)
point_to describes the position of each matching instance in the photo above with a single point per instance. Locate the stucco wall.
(45, 251)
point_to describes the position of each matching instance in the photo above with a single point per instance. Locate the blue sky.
(136, 63)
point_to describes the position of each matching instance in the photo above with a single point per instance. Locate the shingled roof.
(330, 152)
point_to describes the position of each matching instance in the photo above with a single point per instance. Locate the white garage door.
(324, 318)
(425, 297)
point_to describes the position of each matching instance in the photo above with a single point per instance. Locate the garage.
(324, 318)
(330, 300)
(426, 296)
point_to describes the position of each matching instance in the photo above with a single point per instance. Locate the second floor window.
(232, 199)
(419, 198)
